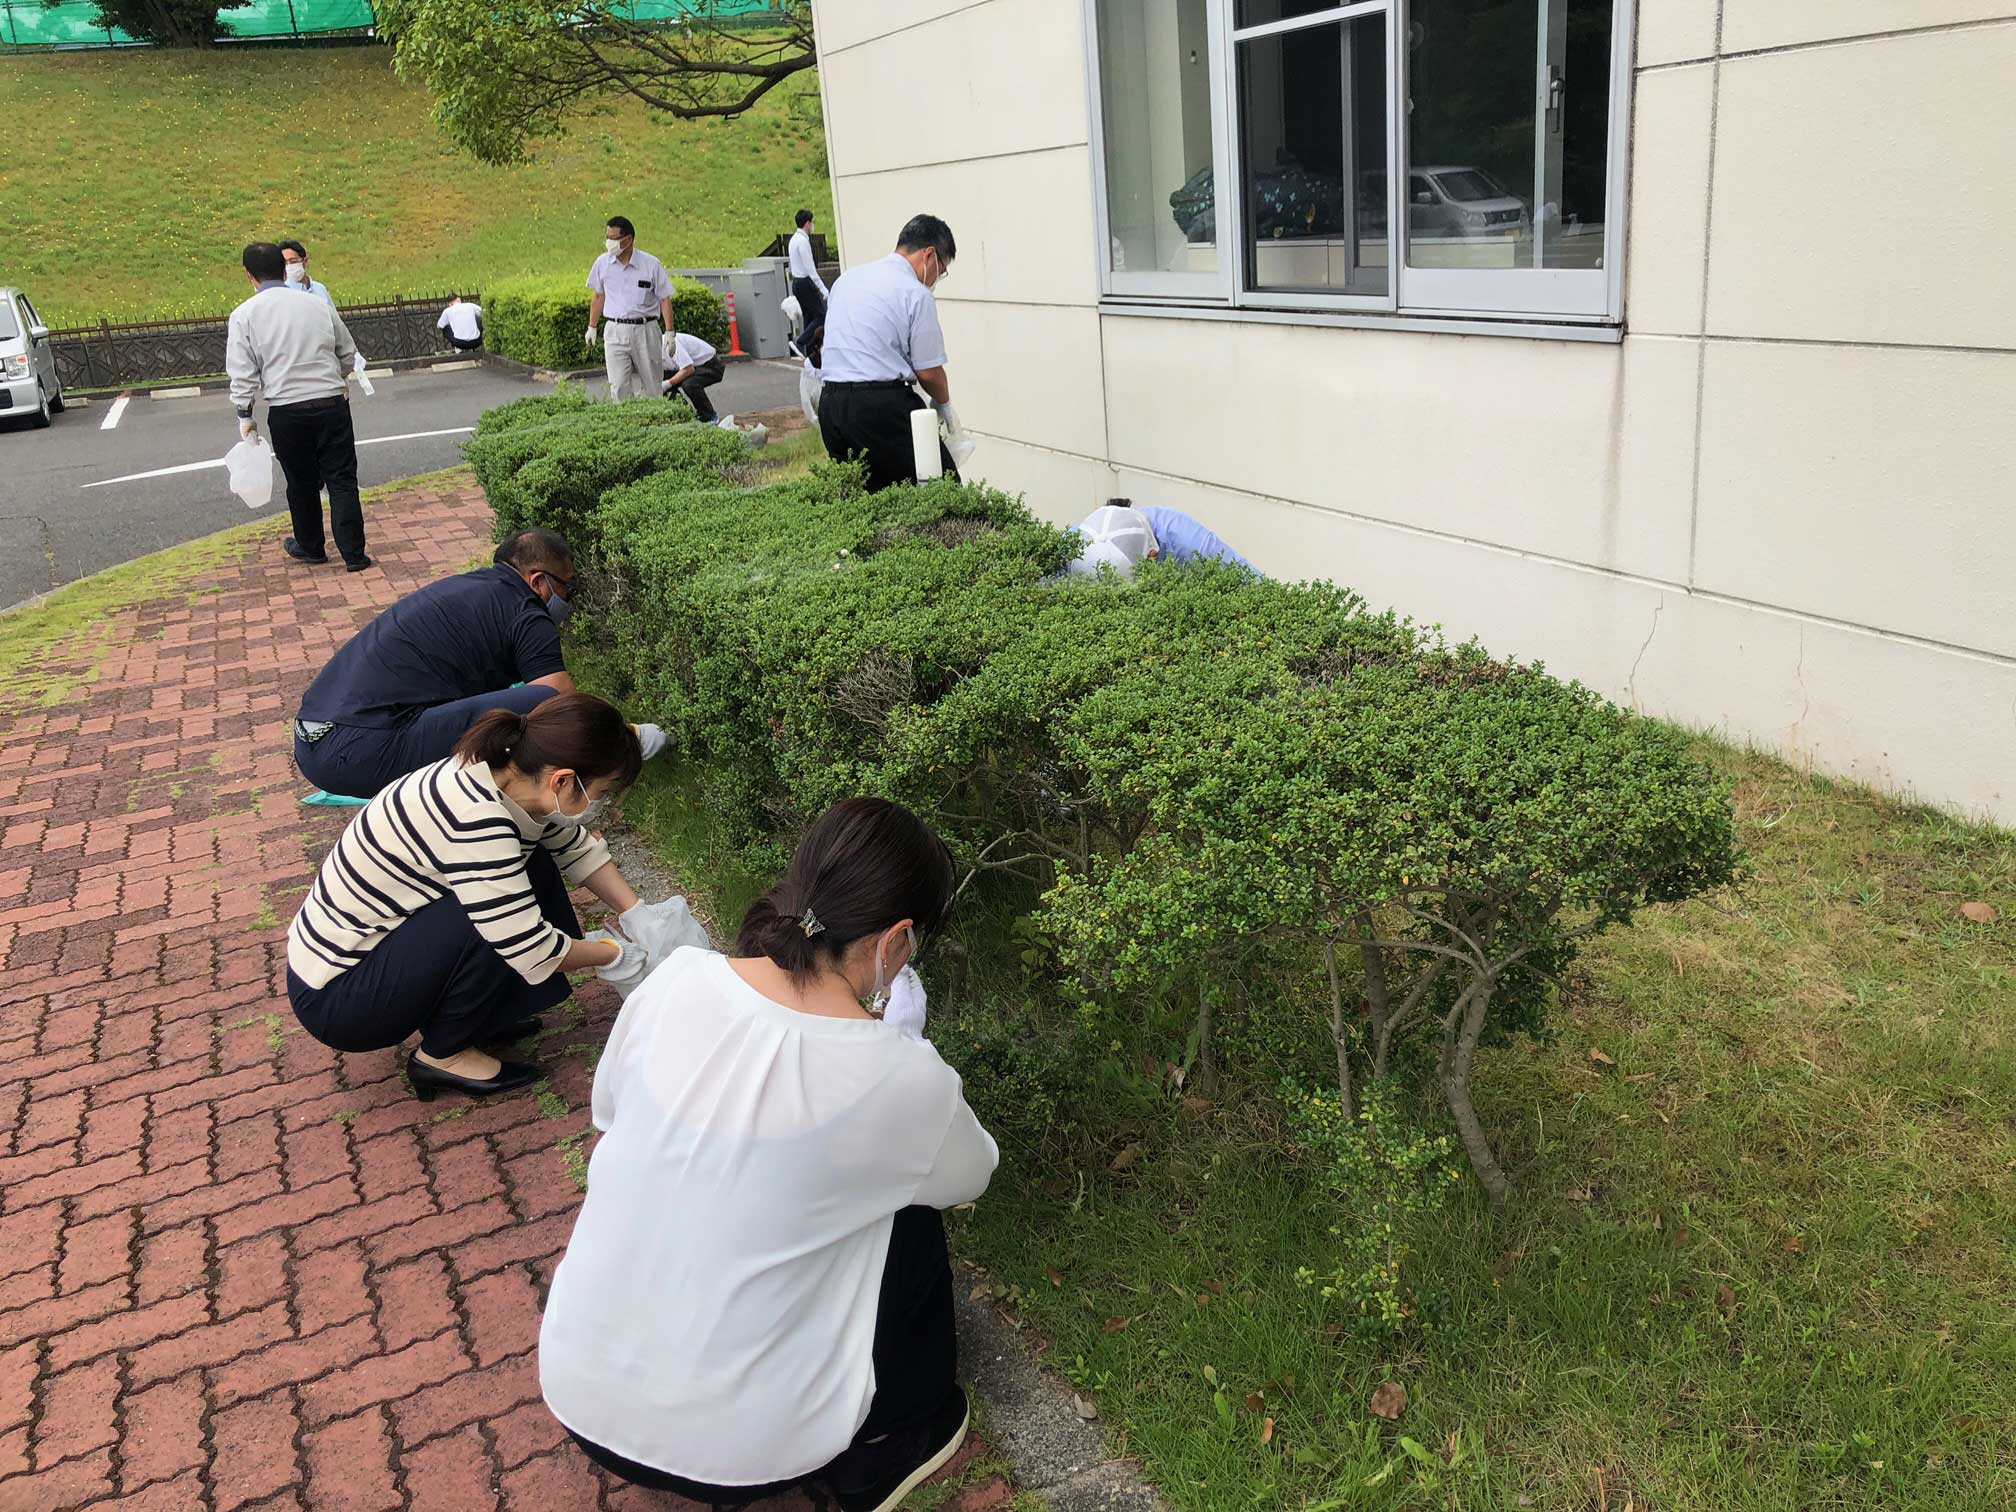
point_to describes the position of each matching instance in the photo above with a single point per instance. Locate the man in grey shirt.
(293, 354)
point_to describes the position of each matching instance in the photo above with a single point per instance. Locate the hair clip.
(811, 925)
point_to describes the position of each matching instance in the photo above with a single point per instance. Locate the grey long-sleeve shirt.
(285, 349)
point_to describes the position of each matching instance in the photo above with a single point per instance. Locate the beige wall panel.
(1670, 148)
(1574, 450)
(1862, 192)
(1749, 24)
(1023, 224)
(999, 78)
(1027, 371)
(1670, 31)
(1863, 484)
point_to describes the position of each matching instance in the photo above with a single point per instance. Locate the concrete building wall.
(1780, 508)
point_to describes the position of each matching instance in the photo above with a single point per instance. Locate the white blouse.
(714, 1315)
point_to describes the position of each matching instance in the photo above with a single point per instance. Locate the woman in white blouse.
(757, 1290)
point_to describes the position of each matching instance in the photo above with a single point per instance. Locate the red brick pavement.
(239, 1270)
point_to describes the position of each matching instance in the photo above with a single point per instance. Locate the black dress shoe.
(427, 1080)
(295, 549)
(359, 565)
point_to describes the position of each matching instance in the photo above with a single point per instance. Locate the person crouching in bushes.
(443, 910)
(757, 1291)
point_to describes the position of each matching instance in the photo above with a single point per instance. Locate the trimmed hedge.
(1205, 777)
(539, 318)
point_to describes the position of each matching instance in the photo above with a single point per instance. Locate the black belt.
(624, 320)
(868, 383)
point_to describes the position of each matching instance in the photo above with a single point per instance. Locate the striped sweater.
(445, 829)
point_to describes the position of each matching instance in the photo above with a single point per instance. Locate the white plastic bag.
(810, 382)
(250, 464)
(363, 378)
(661, 928)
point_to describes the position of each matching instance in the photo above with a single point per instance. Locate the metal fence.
(28, 24)
(118, 354)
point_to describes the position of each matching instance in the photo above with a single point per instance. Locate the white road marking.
(112, 415)
(188, 467)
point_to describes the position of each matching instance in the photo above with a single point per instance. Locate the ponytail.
(864, 865)
(573, 730)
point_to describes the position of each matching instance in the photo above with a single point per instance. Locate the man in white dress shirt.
(463, 321)
(631, 290)
(691, 368)
(807, 287)
(881, 336)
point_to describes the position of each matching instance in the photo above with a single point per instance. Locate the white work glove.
(948, 416)
(589, 338)
(905, 1010)
(652, 739)
(628, 969)
(247, 429)
(658, 929)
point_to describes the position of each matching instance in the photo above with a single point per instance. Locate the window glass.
(1313, 138)
(7, 327)
(1155, 96)
(1508, 130)
(1260, 12)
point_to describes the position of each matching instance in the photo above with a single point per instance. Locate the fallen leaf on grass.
(1680, 1238)
(1597, 1057)
(1725, 1297)
(1085, 1410)
(1128, 1158)
(1056, 1276)
(1254, 1401)
(1979, 913)
(1389, 1401)
(1115, 1325)
(1267, 1431)
(1579, 1194)
(1642, 1076)
(1196, 1106)
(1216, 1288)
(980, 1293)
(1792, 1244)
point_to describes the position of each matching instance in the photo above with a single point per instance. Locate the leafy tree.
(169, 23)
(505, 73)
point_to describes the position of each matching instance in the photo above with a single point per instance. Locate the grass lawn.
(1761, 1257)
(142, 175)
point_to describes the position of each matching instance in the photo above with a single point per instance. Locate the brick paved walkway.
(238, 1269)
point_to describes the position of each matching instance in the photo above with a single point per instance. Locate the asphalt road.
(55, 527)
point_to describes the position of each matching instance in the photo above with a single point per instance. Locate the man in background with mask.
(402, 690)
(631, 289)
(297, 271)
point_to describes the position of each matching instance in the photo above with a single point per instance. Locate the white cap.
(1117, 536)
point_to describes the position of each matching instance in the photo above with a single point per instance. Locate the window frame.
(1538, 301)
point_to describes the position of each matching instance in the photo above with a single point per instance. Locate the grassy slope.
(143, 174)
(1809, 1108)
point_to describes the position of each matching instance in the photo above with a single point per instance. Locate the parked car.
(1461, 202)
(28, 382)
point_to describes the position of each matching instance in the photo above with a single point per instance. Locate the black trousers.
(473, 344)
(358, 761)
(813, 303)
(872, 421)
(435, 976)
(916, 1355)
(701, 379)
(317, 449)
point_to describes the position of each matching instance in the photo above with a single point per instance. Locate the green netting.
(29, 23)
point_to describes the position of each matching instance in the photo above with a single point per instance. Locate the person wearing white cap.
(1121, 536)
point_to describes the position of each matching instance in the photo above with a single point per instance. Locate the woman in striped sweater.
(443, 909)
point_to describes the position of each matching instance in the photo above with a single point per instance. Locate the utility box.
(759, 286)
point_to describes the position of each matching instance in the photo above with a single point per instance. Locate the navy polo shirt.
(476, 633)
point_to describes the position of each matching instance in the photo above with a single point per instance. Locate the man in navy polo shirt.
(402, 691)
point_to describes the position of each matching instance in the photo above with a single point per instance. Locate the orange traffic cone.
(734, 332)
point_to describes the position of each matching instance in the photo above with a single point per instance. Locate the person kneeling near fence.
(401, 691)
(757, 1291)
(443, 909)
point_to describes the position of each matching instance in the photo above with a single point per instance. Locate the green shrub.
(1198, 779)
(539, 318)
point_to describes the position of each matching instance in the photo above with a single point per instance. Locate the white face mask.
(297, 273)
(611, 245)
(587, 816)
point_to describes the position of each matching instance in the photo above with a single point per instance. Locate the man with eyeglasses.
(402, 691)
(881, 336)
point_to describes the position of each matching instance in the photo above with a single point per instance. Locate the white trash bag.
(250, 464)
(661, 928)
(810, 382)
(363, 377)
